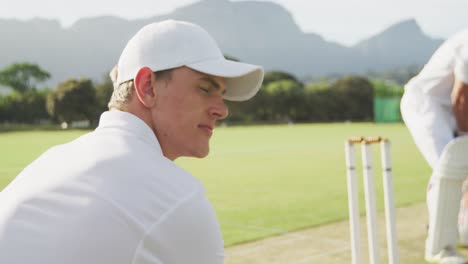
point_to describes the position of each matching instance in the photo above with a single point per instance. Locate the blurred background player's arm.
(460, 89)
(460, 105)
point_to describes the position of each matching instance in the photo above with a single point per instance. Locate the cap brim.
(242, 80)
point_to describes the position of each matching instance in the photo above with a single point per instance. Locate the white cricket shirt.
(436, 79)
(109, 196)
(426, 106)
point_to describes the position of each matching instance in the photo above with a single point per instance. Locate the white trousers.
(432, 125)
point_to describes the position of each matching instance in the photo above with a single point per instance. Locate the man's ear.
(144, 87)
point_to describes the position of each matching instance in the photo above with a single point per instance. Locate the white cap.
(171, 44)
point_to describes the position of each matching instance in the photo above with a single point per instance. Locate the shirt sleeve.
(461, 64)
(189, 233)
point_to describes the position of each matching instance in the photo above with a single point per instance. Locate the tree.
(354, 97)
(72, 101)
(387, 89)
(279, 99)
(28, 107)
(273, 76)
(104, 92)
(23, 76)
(286, 97)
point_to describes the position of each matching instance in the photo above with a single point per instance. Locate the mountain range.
(256, 32)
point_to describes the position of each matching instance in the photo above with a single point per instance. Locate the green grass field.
(266, 180)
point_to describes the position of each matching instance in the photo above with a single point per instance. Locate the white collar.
(131, 123)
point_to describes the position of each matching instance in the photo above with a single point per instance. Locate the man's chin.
(201, 153)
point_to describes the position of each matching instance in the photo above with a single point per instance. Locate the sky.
(342, 21)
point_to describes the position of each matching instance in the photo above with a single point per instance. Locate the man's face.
(187, 107)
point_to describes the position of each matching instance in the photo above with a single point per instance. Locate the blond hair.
(122, 92)
(121, 96)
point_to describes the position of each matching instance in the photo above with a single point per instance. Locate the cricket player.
(115, 195)
(435, 110)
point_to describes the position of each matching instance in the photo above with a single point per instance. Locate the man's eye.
(205, 90)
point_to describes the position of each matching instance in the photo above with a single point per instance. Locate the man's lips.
(207, 128)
